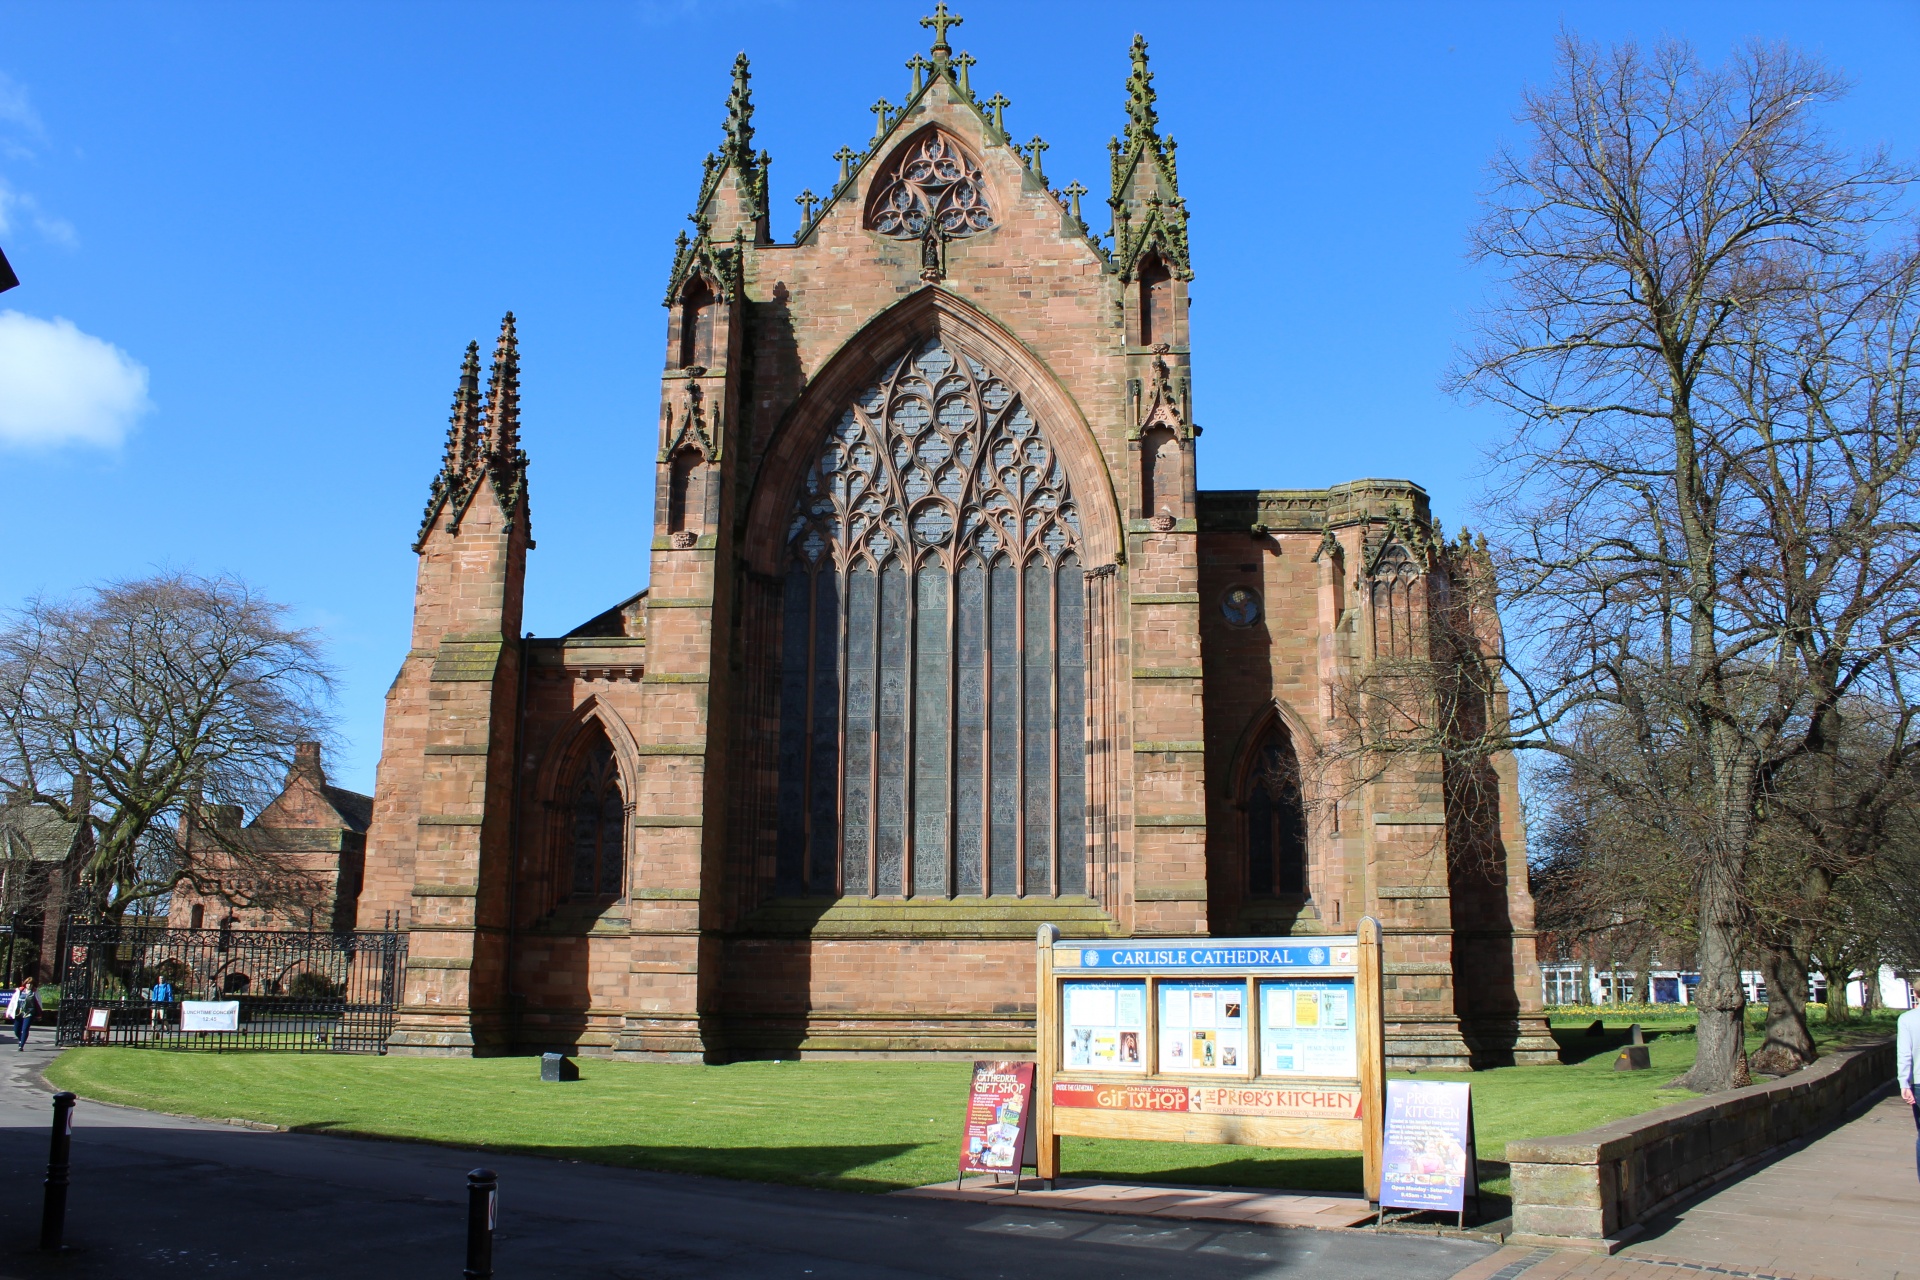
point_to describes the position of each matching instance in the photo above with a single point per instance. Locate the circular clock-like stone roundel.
(1241, 606)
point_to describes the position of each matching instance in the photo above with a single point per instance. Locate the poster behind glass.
(1203, 1028)
(1307, 1029)
(1103, 1026)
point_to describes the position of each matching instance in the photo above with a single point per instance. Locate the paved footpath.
(156, 1196)
(1844, 1207)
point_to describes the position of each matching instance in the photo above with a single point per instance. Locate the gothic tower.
(438, 849)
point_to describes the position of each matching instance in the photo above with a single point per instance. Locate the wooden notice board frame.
(1237, 1103)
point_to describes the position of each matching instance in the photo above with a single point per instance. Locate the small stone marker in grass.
(1598, 1028)
(1635, 1057)
(556, 1067)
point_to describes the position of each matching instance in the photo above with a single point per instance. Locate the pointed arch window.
(933, 648)
(1276, 819)
(596, 844)
(696, 324)
(932, 182)
(687, 491)
(1156, 300)
(1395, 575)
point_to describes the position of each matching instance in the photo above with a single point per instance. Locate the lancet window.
(1276, 820)
(934, 648)
(934, 182)
(597, 827)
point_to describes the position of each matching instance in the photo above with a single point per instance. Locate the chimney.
(306, 764)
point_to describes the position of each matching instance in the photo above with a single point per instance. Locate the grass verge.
(854, 1126)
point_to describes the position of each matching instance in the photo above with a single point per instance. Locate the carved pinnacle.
(846, 156)
(940, 21)
(1074, 191)
(965, 61)
(998, 103)
(1034, 149)
(806, 200)
(880, 110)
(919, 66)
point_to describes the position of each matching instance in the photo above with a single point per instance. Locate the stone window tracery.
(1276, 820)
(933, 648)
(935, 183)
(597, 828)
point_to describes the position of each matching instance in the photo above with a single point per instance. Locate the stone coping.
(1593, 1190)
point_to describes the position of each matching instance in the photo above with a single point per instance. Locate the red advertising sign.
(999, 1114)
(1226, 1100)
(1121, 1097)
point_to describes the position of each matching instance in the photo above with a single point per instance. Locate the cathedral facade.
(940, 643)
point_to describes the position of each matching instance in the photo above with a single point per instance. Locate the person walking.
(1906, 1060)
(22, 1005)
(161, 995)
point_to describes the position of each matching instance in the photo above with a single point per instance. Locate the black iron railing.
(308, 992)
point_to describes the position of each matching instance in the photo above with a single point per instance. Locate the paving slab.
(1844, 1207)
(1203, 1204)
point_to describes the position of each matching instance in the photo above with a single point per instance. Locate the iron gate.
(311, 992)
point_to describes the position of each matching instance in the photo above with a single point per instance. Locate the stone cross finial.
(846, 156)
(919, 66)
(1034, 149)
(880, 110)
(965, 61)
(806, 200)
(998, 103)
(940, 21)
(1074, 190)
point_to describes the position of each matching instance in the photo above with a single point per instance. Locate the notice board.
(1262, 1041)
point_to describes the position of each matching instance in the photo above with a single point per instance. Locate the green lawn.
(858, 1126)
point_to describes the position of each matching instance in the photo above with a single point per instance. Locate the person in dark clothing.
(22, 1005)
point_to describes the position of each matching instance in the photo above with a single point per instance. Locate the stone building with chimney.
(940, 642)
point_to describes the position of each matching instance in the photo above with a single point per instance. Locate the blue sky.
(272, 229)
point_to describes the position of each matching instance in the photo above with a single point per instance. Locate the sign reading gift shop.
(1261, 1041)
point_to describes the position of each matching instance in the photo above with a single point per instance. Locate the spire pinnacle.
(463, 425)
(502, 413)
(1142, 120)
(739, 144)
(940, 20)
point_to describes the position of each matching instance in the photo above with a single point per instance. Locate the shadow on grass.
(1578, 1045)
(812, 1166)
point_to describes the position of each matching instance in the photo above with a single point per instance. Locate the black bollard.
(483, 1191)
(53, 1214)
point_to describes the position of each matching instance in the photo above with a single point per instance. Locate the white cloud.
(18, 117)
(59, 386)
(56, 229)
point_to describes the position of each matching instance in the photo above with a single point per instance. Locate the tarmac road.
(154, 1195)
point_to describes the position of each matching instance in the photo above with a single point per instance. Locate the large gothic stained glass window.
(933, 648)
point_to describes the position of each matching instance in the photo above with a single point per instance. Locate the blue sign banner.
(1210, 955)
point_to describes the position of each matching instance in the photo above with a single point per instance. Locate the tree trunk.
(1839, 1007)
(1721, 1058)
(1788, 1045)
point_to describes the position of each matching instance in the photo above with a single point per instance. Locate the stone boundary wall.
(1593, 1190)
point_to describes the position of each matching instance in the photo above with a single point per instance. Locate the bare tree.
(1705, 520)
(133, 704)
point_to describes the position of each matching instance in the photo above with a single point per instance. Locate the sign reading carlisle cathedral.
(939, 641)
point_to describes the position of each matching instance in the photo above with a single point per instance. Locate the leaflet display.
(1203, 1028)
(1104, 1026)
(1271, 1042)
(1307, 1029)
